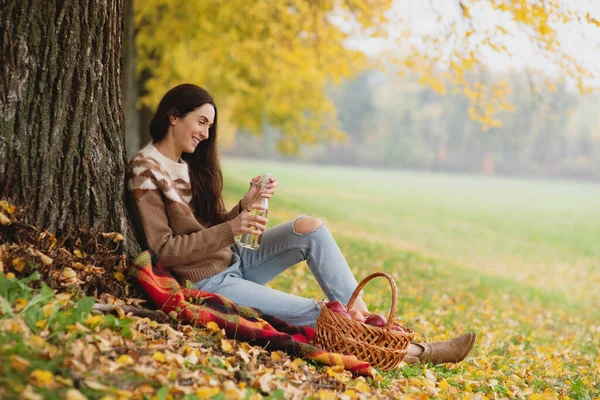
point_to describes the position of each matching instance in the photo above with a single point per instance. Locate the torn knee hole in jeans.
(309, 231)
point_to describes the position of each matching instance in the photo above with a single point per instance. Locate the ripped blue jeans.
(281, 247)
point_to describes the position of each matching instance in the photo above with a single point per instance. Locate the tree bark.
(129, 82)
(62, 143)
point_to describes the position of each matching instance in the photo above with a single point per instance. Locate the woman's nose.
(204, 133)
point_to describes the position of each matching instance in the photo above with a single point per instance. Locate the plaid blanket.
(240, 323)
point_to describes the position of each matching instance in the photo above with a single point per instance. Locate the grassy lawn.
(517, 261)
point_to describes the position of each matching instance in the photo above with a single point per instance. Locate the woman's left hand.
(254, 190)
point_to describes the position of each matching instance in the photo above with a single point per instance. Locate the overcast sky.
(431, 17)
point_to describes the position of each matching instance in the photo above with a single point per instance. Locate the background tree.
(62, 150)
(267, 62)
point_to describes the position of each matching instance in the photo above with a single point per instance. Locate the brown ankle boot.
(448, 351)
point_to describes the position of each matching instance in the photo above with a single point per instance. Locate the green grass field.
(515, 260)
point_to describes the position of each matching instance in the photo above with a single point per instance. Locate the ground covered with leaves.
(68, 330)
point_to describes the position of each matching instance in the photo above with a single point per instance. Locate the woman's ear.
(172, 119)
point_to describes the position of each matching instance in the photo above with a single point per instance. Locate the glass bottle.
(252, 240)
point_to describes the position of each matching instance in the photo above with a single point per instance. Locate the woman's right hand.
(245, 222)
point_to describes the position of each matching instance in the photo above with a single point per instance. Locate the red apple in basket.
(337, 306)
(397, 328)
(345, 314)
(376, 320)
(357, 315)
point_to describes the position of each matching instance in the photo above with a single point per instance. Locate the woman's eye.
(201, 122)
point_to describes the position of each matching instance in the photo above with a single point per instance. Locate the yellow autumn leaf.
(95, 385)
(4, 220)
(41, 323)
(37, 342)
(18, 264)
(41, 378)
(415, 382)
(19, 363)
(159, 356)
(63, 297)
(226, 346)
(48, 310)
(350, 393)
(64, 381)
(275, 356)
(443, 384)
(44, 258)
(206, 392)
(362, 386)
(213, 326)
(324, 394)
(119, 276)
(94, 319)
(20, 304)
(77, 265)
(78, 253)
(6, 206)
(115, 236)
(125, 360)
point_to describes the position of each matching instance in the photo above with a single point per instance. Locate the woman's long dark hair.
(205, 170)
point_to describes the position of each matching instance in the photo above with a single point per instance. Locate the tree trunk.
(129, 83)
(62, 144)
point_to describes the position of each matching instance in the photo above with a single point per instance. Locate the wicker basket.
(381, 347)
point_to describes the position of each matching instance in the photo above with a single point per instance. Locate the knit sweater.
(159, 197)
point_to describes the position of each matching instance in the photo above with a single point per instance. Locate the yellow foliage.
(532, 20)
(436, 84)
(592, 20)
(261, 60)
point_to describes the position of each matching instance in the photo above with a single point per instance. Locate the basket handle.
(394, 294)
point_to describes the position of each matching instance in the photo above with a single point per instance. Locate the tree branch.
(158, 316)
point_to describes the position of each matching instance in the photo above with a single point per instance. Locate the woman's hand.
(248, 223)
(254, 190)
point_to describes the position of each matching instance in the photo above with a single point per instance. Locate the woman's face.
(190, 130)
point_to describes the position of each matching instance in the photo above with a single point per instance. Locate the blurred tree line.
(395, 122)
